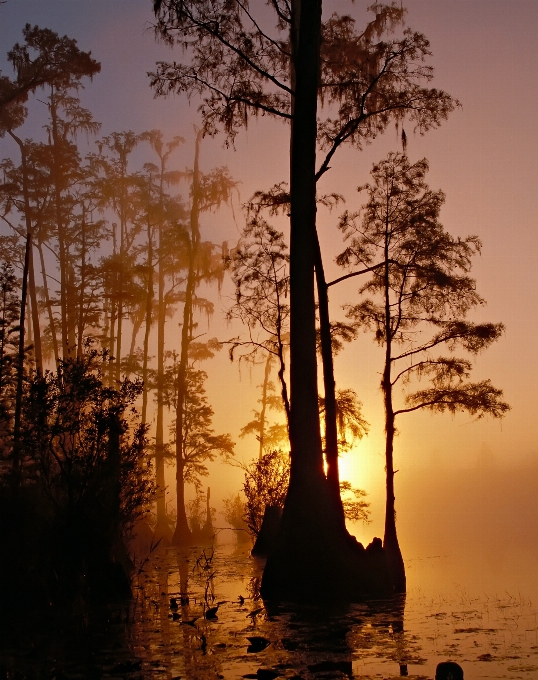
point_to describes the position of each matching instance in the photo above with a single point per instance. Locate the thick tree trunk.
(331, 429)
(303, 528)
(315, 556)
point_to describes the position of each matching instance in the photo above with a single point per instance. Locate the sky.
(485, 159)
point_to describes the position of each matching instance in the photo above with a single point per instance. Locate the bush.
(234, 513)
(266, 483)
(85, 475)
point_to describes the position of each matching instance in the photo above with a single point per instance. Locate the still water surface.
(490, 628)
(491, 632)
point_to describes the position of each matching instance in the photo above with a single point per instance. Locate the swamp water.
(491, 633)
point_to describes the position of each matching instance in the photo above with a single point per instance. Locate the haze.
(463, 483)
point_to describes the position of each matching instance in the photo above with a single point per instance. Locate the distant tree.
(199, 444)
(201, 516)
(44, 58)
(208, 192)
(260, 272)
(234, 514)
(118, 189)
(419, 293)
(171, 263)
(269, 436)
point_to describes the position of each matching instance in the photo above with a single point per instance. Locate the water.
(448, 613)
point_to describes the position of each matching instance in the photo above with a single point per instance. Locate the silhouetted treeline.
(115, 252)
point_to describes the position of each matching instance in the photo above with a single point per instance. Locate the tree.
(198, 444)
(118, 190)
(240, 70)
(43, 59)
(172, 261)
(269, 436)
(208, 191)
(419, 294)
(85, 451)
(9, 343)
(260, 266)
(234, 514)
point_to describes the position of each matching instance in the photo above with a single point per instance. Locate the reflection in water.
(250, 639)
(168, 634)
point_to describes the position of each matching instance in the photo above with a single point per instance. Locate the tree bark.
(390, 539)
(263, 409)
(48, 305)
(149, 310)
(331, 429)
(315, 556)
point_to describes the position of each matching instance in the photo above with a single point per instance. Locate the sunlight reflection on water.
(491, 633)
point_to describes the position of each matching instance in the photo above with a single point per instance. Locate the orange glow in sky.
(485, 159)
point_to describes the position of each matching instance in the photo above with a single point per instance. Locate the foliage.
(355, 507)
(82, 445)
(43, 59)
(349, 418)
(234, 513)
(196, 510)
(266, 484)
(259, 267)
(9, 341)
(419, 279)
(239, 70)
(85, 481)
(200, 444)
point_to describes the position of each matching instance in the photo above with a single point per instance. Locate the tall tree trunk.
(38, 353)
(113, 307)
(306, 501)
(390, 540)
(182, 533)
(162, 528)
(62, 248)
(315, 556)
(20, 368)
(263, 409)
(149, 309)
(48, 305)
(81, 307)
(331, 430)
